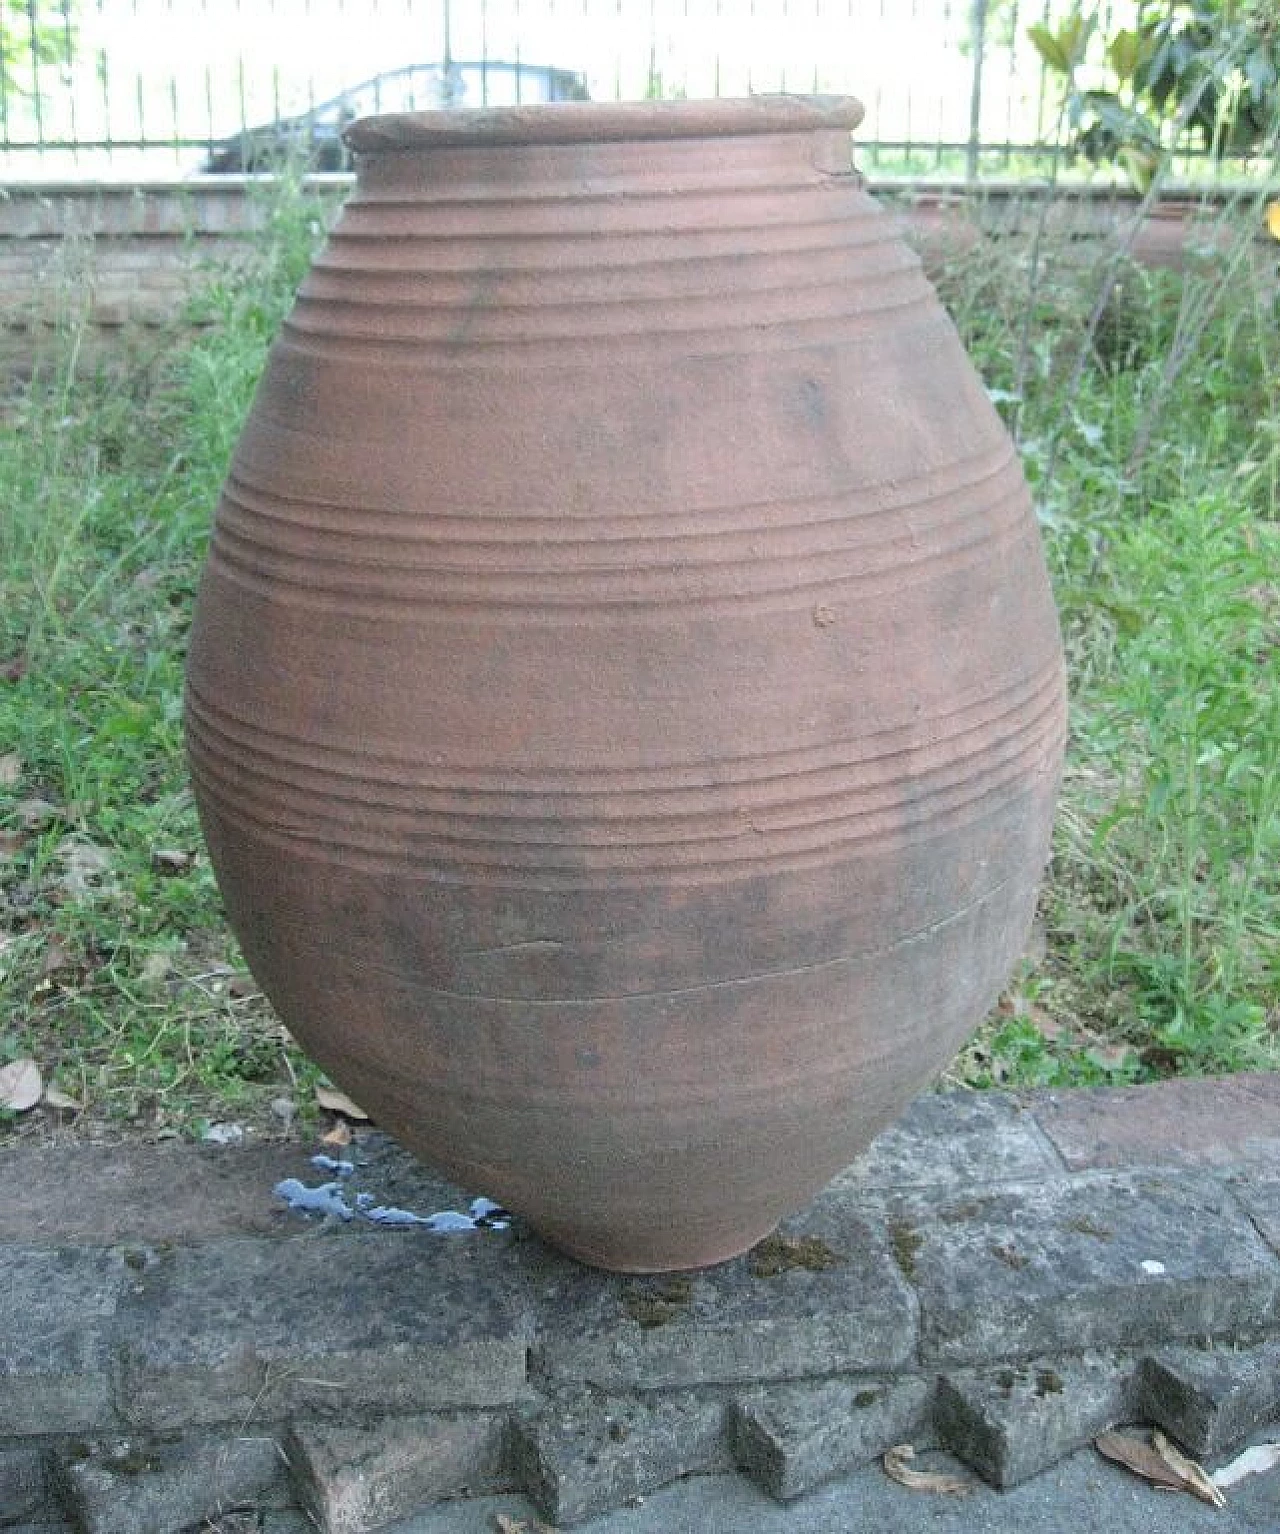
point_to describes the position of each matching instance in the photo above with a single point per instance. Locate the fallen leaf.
(1193, 1475)
(340, 1134)
(239, 987)
(10, 843)
(171, 860)
(1255, 1461)
(1137, 1455)
(1273, 219)
(20, 1085)
(338, 1102)
(10, 769)
(897, 1467)
(55, 1098)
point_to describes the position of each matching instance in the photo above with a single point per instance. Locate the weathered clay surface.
(625, 698)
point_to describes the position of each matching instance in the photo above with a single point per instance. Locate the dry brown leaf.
(10, 769)
(20, 1085)
(338, 1102)
(1254, 1461)
(897, 1467)
(340, 1134)
(1273, 220)
(240, 987)
(1193, 1475)
(10, 843)
(1137, 1455)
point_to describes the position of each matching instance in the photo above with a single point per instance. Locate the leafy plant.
(33, 34)
(1210, 67)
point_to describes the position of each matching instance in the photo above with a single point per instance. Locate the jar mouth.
(572, 122)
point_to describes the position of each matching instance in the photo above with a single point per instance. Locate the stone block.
(1086, 1263)
(348, 1321)
(285, 1520)
(1210, 1401)
(92, 1195)
(955, 1140)
(1259, 1195)
(791, 1438)
(1014, 1421)
(150, 1486)
(55, 1354)
(594, 1453)
(823, 1296)
(1231, 1122)
(24, 1488)
(354, 1479)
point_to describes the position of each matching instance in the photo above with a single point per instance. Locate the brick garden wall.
(121, 261)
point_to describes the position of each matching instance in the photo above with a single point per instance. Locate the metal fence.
(122, 88)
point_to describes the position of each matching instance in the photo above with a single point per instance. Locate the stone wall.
(118, 263)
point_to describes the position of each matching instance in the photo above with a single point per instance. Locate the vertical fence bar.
(4, 87)
(977, 46)
(37, 94)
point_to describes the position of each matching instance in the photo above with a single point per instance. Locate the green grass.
(1150, 426)
(1151, 442)
(117, 974)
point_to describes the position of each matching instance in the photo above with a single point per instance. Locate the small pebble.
(224, 1134)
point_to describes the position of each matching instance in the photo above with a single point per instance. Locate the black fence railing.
(154, 88)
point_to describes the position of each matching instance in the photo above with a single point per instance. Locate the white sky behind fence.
(161, 70)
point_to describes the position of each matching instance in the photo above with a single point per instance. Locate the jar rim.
(571, 122)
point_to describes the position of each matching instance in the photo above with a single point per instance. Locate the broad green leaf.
(1140, 165)
(1123, 53)
(1049, 48)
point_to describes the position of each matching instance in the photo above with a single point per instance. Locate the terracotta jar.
(625, 701)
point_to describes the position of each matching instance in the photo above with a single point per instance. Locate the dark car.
(313, 140)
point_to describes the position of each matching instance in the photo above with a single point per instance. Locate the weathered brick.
(147, 1486)
(791, 1438)
(596, 1453)
(24, 1487)
(347, 1321)
(955, 1140)
(355, 1479)
(1014, 1421)
(823, 1297)
(1210, 1401)
(1090, 1262)
(55, 1355)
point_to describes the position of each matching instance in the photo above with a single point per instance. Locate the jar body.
(625, 702)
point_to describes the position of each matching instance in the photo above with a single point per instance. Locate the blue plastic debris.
(327, 1199)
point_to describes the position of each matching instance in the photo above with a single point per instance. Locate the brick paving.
(1002, 1276)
